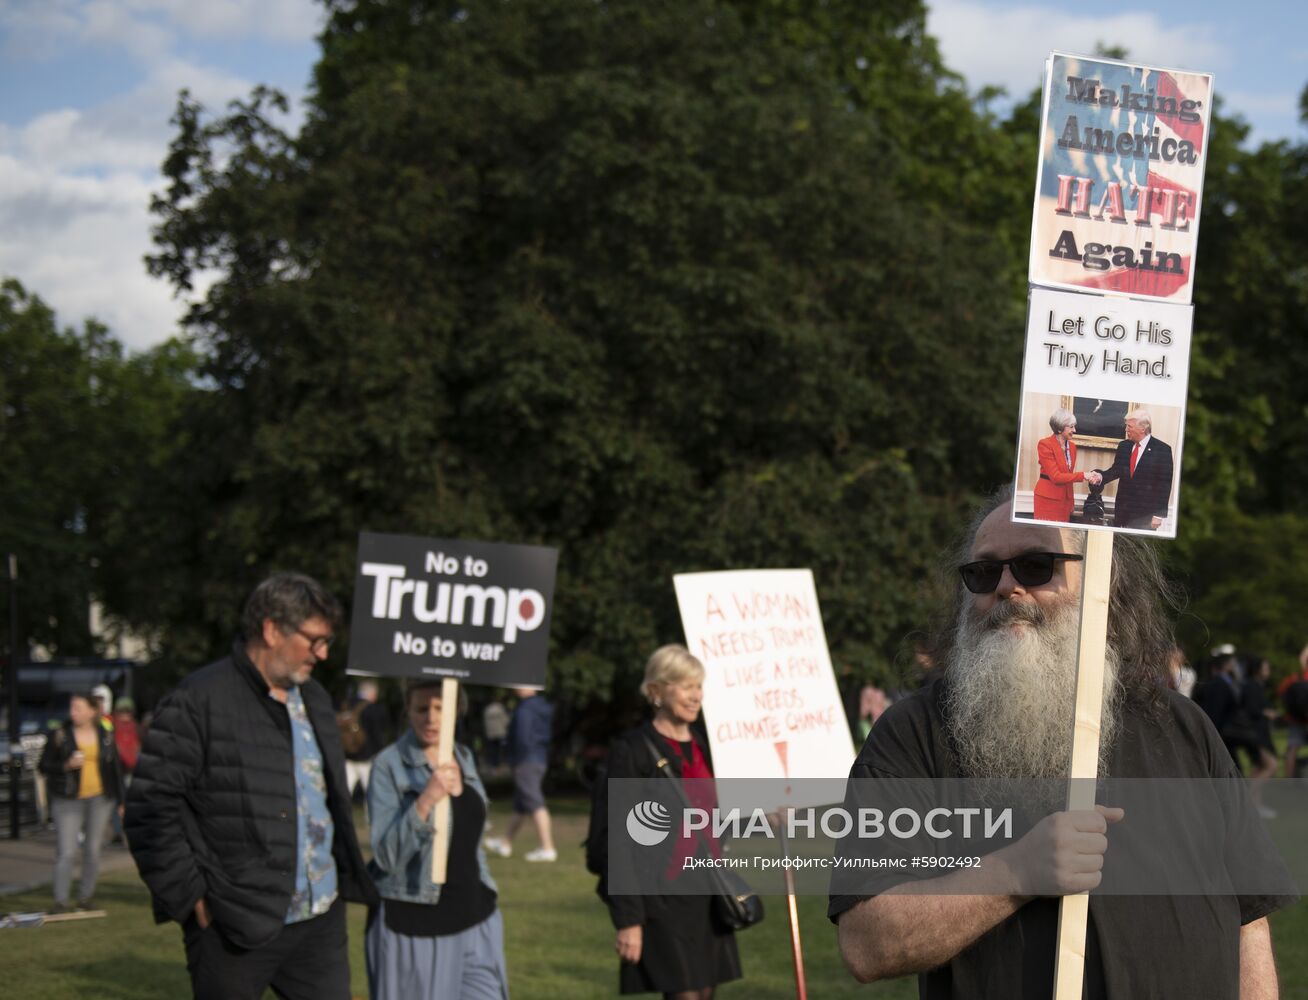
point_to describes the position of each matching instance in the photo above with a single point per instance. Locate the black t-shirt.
(1136, 946)
(465, 899)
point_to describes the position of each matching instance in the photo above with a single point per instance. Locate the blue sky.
(88, 87)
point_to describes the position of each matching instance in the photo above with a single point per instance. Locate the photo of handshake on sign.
(1142, 467)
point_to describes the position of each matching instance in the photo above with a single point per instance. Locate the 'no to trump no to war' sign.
(478, 612)
(770, 698)
(1122, 150)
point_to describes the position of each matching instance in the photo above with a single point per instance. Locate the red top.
(1284, 686)
(127, 737)
(700, 794)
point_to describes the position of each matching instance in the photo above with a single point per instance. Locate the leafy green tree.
(629, 279)
(82, 431)
(1245, 591)
(46, 411)
(1250, 302)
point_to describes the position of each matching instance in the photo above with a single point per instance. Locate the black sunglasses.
(1030, 569)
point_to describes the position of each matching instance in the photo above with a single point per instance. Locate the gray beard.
(1012, 697)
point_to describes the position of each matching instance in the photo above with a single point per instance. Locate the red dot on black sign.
(526, 609)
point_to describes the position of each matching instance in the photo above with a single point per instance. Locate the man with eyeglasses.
(1002, 707)
(239, 816)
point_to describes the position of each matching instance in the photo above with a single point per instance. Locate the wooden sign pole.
(440, 816)
(1074, 911)
(792, 911)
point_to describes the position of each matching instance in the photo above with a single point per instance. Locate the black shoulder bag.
(735, 905)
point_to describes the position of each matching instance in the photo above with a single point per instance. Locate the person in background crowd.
(1294, 700)
(85, 784)
(872, 702)
(127, 734)
(1257, 715)
(1180, 674)
(529, 751)
(127, 738)
(430, 940)
(239, 817)
(104, 705)
(1219, 697)
(495, 726)
(1002, 707)
(669, 944)
(368, 731)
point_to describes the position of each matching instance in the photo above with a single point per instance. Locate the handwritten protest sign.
(478, 612)
(770, 698)
(1120, 178)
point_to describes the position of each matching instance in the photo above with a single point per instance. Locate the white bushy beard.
(1012, 692)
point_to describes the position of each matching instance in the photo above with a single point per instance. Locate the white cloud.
(75, 182)
(75, 188)
(130, 130)
(37, 29)
(280, 20)
(77, 241)
(111, 24)
(34, 30)
(1007, 46)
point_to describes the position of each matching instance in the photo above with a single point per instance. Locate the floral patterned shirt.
(315, 868)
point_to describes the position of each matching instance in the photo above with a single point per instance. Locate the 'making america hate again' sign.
(1121, 178)
(436, 607)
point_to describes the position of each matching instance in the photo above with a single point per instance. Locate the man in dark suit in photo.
(1143, 470)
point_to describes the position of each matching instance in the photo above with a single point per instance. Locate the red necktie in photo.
(1135, 456)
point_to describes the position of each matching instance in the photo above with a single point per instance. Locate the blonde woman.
(670, 944)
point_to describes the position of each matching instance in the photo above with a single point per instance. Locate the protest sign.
(1116, 212)
(478, 612)
(1120, 177)
(770, 699)
(1102, 359)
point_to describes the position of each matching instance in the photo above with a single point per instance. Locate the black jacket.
(64, 784)
(211, 811)
(630, 757)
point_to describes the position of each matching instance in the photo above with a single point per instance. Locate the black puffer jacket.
(63, 783)
(211, 810)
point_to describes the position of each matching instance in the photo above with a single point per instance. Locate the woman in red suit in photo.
(1054, 500)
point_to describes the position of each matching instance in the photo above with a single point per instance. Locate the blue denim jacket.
(401, 843)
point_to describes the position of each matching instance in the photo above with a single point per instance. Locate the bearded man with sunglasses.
(1002, 707)
(239, 815)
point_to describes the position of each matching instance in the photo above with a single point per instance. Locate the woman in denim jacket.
(429, 940)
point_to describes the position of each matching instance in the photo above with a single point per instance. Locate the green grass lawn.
(558, 938)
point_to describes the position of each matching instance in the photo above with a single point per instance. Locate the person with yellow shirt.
(85, 783)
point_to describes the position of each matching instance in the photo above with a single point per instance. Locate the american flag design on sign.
(1121, 177)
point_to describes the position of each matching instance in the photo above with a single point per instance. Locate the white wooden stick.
(440, 815)
(1074, 911)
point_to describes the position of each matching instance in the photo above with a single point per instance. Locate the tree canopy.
(679, 286)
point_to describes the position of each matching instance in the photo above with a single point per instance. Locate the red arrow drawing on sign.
(782, 749)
